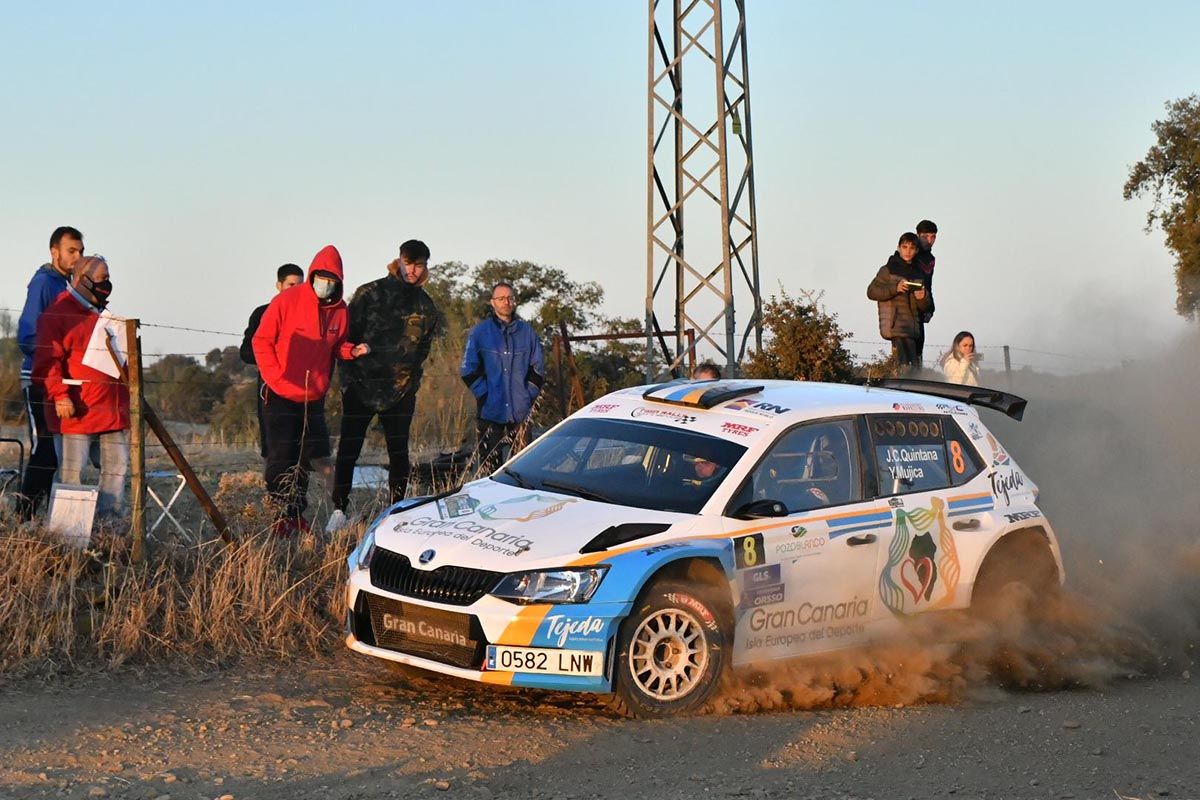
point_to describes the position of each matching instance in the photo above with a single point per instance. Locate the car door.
(922, 463)
(804, 580)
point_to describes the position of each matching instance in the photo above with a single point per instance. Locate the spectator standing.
(87, 403)
(48, 282)
(926, 236)
(899, 290)
(286, 277)
(399, 320)
(504, 368)
(961, 364)
(301, 332)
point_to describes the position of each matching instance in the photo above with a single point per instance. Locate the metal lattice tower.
(692, 151)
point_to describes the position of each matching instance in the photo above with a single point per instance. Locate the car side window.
(811, 466)
(910, 453)
(965, 462)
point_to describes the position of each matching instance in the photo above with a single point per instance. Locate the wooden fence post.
(137, 442)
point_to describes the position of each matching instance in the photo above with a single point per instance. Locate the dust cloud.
(1114, 454)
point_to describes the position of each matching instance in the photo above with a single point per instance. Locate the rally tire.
(671, 651)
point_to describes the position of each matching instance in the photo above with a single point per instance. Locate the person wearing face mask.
(50, 280)
(400, 321)
(86, 404)
(301, 332)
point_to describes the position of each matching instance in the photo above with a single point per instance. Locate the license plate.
(545, 661)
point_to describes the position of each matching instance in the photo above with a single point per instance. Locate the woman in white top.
(961, 364)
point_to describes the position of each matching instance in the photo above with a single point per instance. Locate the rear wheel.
(671, 650)
(1017, 594)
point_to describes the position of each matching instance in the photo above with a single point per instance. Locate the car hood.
(494, 526)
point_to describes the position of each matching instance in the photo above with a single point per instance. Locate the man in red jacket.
(84, 403)
(301, 332)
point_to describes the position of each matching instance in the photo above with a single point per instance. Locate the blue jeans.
(72, 449)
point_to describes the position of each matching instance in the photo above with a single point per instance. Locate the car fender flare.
(1035, 525)
(632, 571)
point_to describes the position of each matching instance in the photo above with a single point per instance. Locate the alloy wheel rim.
(668, 654)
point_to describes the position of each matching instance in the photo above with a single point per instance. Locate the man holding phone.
(899, 290)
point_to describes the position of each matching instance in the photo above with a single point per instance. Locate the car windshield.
(627, 463)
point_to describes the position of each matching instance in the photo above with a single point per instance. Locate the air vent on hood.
(620, 534)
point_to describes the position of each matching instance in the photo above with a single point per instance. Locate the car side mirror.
(759, 509)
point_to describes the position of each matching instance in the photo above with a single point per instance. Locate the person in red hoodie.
(301, 332)
(85, 403)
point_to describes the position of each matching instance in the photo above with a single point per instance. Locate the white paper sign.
(72, 509)
(108, 329)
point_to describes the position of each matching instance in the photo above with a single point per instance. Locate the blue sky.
(198, 147)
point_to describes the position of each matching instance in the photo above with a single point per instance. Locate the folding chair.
(165, 508)
(10, 479)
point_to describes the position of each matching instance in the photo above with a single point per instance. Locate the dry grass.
(204, 606)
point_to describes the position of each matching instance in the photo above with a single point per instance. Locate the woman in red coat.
(83, 403)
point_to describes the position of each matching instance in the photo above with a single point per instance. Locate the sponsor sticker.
(664, 415)
(603, 408)
(459, 505)
(907, 407)
(756, 407)
(758, 596)
(736, 429)
(761, 576)
(561, 629)
(1005, 482)
(1021, 515)
(423, 630)
(800, 547)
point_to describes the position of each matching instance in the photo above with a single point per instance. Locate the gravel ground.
(349, 728)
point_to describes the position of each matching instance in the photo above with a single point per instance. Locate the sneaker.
(337, 521)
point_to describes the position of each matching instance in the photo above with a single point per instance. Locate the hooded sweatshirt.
(45, 285)
(64, 331)
(899, 312)
(300, 334)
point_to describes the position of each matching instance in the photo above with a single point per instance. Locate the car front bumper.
(453, 640)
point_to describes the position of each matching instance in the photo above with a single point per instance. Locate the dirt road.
(349, 728)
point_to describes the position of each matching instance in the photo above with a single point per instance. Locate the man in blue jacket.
(504, 368)
(50, 280)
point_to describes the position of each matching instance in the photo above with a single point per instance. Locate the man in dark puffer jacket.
(899, 289)
(400, 321)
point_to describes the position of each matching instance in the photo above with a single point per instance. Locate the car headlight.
(551, 586)
(365, 551)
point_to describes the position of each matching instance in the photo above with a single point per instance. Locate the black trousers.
(491, 439)
(908, 357)
(43, 463)
(296, 433)
(356, 419)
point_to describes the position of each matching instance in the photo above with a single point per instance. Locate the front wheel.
(672, 650)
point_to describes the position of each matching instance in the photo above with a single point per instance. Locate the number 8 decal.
(956, 458)
(747, 550)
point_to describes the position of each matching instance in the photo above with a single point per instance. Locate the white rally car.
(666, 533)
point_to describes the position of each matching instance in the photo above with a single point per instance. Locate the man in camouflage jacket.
(400, 321)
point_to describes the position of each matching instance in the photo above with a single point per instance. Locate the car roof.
(740, 409)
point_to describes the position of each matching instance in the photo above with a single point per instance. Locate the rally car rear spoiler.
(1005, 403)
